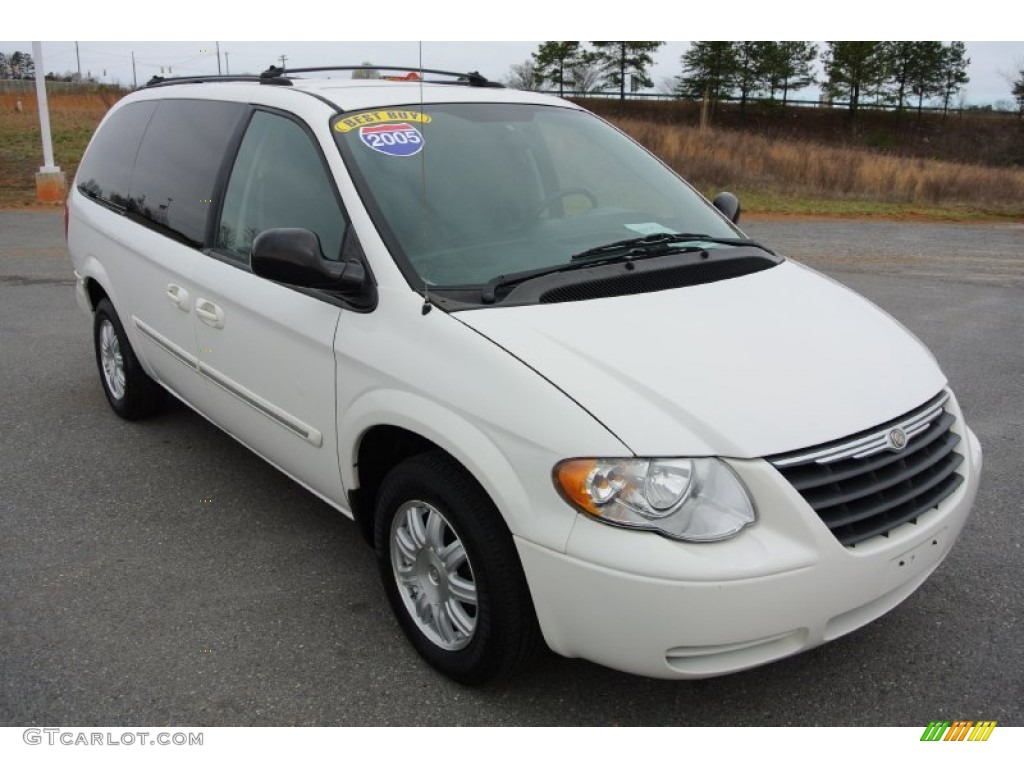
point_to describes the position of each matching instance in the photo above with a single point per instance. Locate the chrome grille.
(862, 487)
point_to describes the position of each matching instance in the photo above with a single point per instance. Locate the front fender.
(482, 456)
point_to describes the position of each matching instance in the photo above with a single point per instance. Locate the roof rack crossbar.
(158, 80)
(277, 76)
(474, 79)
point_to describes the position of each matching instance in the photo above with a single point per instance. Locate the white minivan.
(561, 393)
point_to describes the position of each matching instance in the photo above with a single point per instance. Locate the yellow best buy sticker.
(353, 122)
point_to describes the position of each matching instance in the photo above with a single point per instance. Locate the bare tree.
(524, 76)
(585, 73)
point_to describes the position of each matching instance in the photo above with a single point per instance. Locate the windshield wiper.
(659, 243)
(595, 257)
(633, 249)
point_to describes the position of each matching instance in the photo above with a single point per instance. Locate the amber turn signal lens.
(572, 480)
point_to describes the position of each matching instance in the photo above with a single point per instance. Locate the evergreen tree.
(20, 67)
(554, 62)
(751, 69)
(854, 67)
(954, 71)
(709, 67)
(900, 58)
(623, 57)
(788, 66)
(926, 76)
(1018, 93)
(366, 74)
(914, 68)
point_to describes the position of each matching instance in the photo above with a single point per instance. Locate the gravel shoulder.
(984, 254)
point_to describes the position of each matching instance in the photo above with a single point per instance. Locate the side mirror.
(729, 205)
(294, 256)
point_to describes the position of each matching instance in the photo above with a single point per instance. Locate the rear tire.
(129, 389)
(451, 572)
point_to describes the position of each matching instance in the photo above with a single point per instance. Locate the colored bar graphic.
(935, 730)
(959, 730)
(982, 730)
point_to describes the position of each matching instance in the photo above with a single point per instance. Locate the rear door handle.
(177, 296)
(210, 313)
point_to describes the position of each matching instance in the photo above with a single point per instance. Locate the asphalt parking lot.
(129, 599)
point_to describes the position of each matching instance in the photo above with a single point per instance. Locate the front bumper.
(641, 603)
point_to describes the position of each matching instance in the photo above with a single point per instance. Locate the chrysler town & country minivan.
(563, 396)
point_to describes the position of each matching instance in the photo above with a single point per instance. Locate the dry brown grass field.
(73, 118)
(720, 158)
(780, 174)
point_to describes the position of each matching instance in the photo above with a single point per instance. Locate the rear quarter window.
(105, 172)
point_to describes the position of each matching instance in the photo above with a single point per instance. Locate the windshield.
(465, 193)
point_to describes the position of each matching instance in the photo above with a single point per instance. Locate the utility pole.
(218, 57)
(227, 62)
(78, 61)
(283, 60)
(135, 79)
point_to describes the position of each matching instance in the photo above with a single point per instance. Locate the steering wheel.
(568, 191)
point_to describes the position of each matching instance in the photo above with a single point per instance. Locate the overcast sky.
(111, 61)
(469, 22)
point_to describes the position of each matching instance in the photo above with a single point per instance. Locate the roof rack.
(277, 76)
(474, 79)
(157, 80)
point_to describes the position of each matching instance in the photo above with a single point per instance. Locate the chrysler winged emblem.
(897, 439)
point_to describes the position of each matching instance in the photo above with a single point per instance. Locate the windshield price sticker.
(395, 139)
(346, 124)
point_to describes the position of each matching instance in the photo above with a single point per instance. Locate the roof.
(341, 89)
(364, 94)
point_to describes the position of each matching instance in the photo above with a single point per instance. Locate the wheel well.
(95, 292)
(381, 448)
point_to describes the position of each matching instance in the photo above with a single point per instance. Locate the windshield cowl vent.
(628, 283)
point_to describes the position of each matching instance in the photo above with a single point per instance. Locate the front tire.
(129, 389)
(451, 571)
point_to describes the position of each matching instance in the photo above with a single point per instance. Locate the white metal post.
(44, 110)
(51, 184)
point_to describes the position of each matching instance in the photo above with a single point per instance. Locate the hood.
(766, 363)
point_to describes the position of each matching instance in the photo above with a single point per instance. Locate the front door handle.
(178, 296)
(210, 313)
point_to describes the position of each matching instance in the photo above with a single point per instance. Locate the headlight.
(687, 499)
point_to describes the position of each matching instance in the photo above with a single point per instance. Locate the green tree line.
(903, 74)
(567, 65)
(20, 66)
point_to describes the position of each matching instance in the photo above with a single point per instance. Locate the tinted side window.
(176, 170)
(279, 181)
(107, 167)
